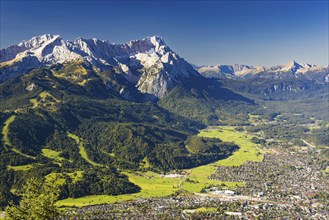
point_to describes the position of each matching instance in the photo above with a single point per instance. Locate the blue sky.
(203, 32)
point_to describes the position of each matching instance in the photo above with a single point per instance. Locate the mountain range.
(95, 108)
(290, 70)
(148, 65)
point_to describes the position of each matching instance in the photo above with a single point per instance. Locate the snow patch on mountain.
(149, 63)
(290, 70)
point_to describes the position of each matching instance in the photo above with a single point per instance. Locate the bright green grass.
(82, 150)
(145, 163)
(43, 95)
(5, 137)
(248, 151)
(107, 153)
(53, 155)
(83, 82)
(206, 209)
(152, 184)
(5, 130)
(34, 102)
(60, 180)
(20, 168)
(41, 101)
(21, 153)
(75, 177)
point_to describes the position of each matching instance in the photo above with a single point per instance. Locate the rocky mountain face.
(289, 71)
(148, 64)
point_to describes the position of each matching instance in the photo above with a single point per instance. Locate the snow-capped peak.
(291, 69)
(291, 66)
(38, 41)
(156, 41)
(148, 63)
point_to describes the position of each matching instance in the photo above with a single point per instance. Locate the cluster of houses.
(287, 184)
(193, 207)
(283, 176)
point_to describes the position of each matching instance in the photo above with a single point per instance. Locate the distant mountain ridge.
(149, 63)
(290, 70)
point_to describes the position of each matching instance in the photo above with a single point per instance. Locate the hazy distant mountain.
(289, 70)
(149, 64)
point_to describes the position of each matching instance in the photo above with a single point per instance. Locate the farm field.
(248, 151)
(154, 185)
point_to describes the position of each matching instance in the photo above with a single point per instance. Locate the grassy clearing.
(5, 137)
(155, 185)
(198, 179)
(34, 102)
(254, 118)
(82, 150)
(206, 209)
(145, 163)
(152, 184)
(46, 100)
(20, 168)
(53, 155)
(107, 153)
(248, 151)
(5, 130)
(21, 153)
(75, 177)
(326, 171)
(83, 82)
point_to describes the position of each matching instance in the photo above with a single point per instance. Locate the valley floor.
(191, 180)
(266, 183)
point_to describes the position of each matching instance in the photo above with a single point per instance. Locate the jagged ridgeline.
(86, 110)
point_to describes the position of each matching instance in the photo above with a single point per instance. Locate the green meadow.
(155, 185)
(60, 177)
(54, 155)
(5, 130)
(20, 168)
(82, 150)
(6, 140)
(248, 151)
(152, 185)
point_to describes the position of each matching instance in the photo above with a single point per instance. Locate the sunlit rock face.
(149, 63)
